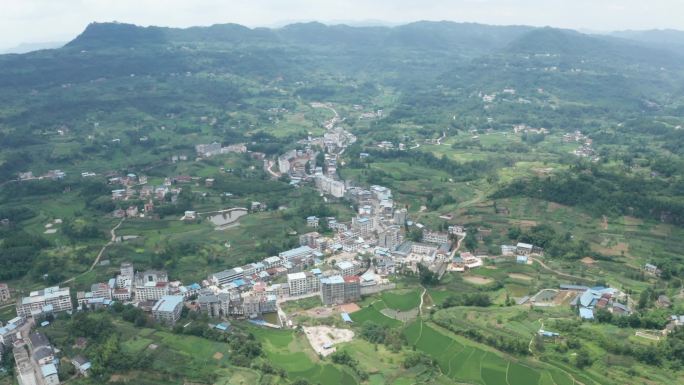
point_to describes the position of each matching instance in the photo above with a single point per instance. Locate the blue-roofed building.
(346, 317)
(586, 313)
(521, 259)
(49, 373)
(223, 326)
(588, 298)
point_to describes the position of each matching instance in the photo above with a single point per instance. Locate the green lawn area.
(402, 300)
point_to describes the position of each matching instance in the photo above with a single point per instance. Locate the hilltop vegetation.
(569, 141)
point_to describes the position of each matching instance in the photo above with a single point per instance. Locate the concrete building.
(363, 225)
(390, 238)
(400, 217)
(302, 283)
(227, 276)
(332, 290)
(435, 237)
(49, 373)
(299, 252)
(51, 299)
(41, 349)
(352, 289)
(347, 268)
(168, 309)
(4, 292)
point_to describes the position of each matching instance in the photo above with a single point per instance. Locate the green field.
(401, 300)
(464, 361)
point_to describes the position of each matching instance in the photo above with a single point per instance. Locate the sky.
(39, 21)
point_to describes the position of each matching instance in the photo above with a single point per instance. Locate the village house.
(312, 221)
(4, 292)
(81, 364)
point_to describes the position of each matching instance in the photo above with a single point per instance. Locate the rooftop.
(168, 303)
(48, 370)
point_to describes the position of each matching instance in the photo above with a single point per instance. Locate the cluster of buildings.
(51, 174)
(215, 148)
(524, 128)
(590, 299)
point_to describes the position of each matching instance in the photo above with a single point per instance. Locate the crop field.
(286, 350)
(372, 313)
(464, 361)
(401, 300)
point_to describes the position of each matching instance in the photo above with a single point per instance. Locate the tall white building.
(50, 299)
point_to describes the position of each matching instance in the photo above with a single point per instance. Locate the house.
(521, 259)
(49, 373)
(43, 353)
(508, 250)
(523, 248)
(168, 309)
(4, 292)
(81, 364)
(651, 269)
(8, 333)
(312, 221)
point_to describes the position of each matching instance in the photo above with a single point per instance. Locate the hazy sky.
(24, 21)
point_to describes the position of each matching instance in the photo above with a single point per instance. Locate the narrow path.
(542, 264)
(112, 232)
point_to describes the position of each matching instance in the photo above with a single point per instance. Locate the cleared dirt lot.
(477, 280)
(323, 338)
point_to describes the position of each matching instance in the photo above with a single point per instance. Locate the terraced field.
(465, 362)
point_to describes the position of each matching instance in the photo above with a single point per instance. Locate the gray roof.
(39, 339)
(42, 352)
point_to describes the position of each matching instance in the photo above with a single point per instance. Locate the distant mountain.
(30, 47)
(602, 48)
(663, 38)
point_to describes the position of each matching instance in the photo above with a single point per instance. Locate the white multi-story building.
(297, 283)
(435, 237)
(363, 225)
(168, 309)
(51, 299)
(151, 291)
(302, 283)
(347, 268)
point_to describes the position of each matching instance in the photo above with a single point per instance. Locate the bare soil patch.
(478, 280)
(588, 261)
(349, 308)
(323, 338)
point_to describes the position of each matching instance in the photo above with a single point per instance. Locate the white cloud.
(53, 20)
